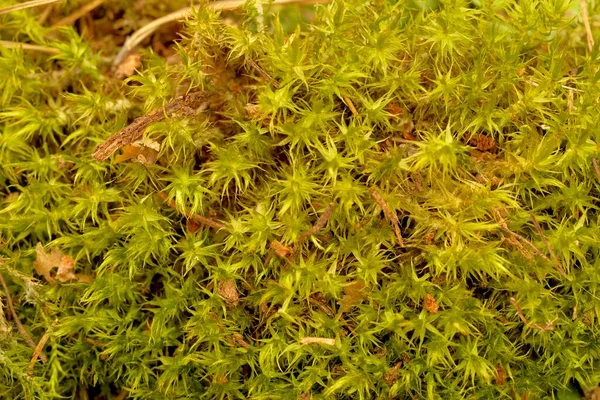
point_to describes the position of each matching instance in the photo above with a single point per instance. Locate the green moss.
(407, 209)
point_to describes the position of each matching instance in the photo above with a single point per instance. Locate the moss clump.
(398, 201)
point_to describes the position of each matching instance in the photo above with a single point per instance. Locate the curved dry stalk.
(389, 214)
(20, 326)
(27, 4)
(37, 352)
(138, 36)
(69, 19)
(27, 46)
(586, 24)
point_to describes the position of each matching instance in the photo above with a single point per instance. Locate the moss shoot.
(352, 200)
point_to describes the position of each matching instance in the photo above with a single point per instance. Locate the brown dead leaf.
(354, 293)
(430, 304)
(305, 396)
(56, 259)
(593, 394)
(228, 291)
(128, 66)
(500, 375)
(395, 109)
(4, 328)
(252, 109)
(428, 238)
(483, 143)
(142, 151)
(408, 135)
(192, 226)
(281, 249)
(392, 374)
(239, 339)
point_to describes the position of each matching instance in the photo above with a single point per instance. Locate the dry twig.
(27, 46)
(239, 339)
(596, 167)
(262, 72)
(520, 238)
(389, 214)
(586, 24)
(547, 244)
(134, 131)
(194, 217)
(318, 340)
(20, 326)
(321, 222)
(44, 15)
(38, 351)
(545, 328)
(350, 105)
(27, 4)
(70, 19)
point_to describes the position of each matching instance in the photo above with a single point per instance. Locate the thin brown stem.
(70, 19)
(521, 238)
(596, 167)
(350, 105)
(545, 328)
(182, 105)
(320, 224)
(38, 351)
(194, 217)
(540, 232)
(389, 214)
(586, 24)
(46, 14)
(262, 72)
(20, 326)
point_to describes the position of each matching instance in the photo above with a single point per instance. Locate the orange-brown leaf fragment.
(500, 375)
(281, 249)
(392, 374)
(429, 238)
(430, 304)
(305, 396)
(228, 291)
(239, 339)
(128, 66)
(395, 109)
(142, 151)
(56, 259)
(354, 293)
(484, 143)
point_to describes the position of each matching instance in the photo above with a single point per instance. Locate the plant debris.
(430, 304)
(354, 293)
(133, 132)
(228, 292)
(345, 200)
(46, 263)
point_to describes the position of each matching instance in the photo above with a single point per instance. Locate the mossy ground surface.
(356, 200)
